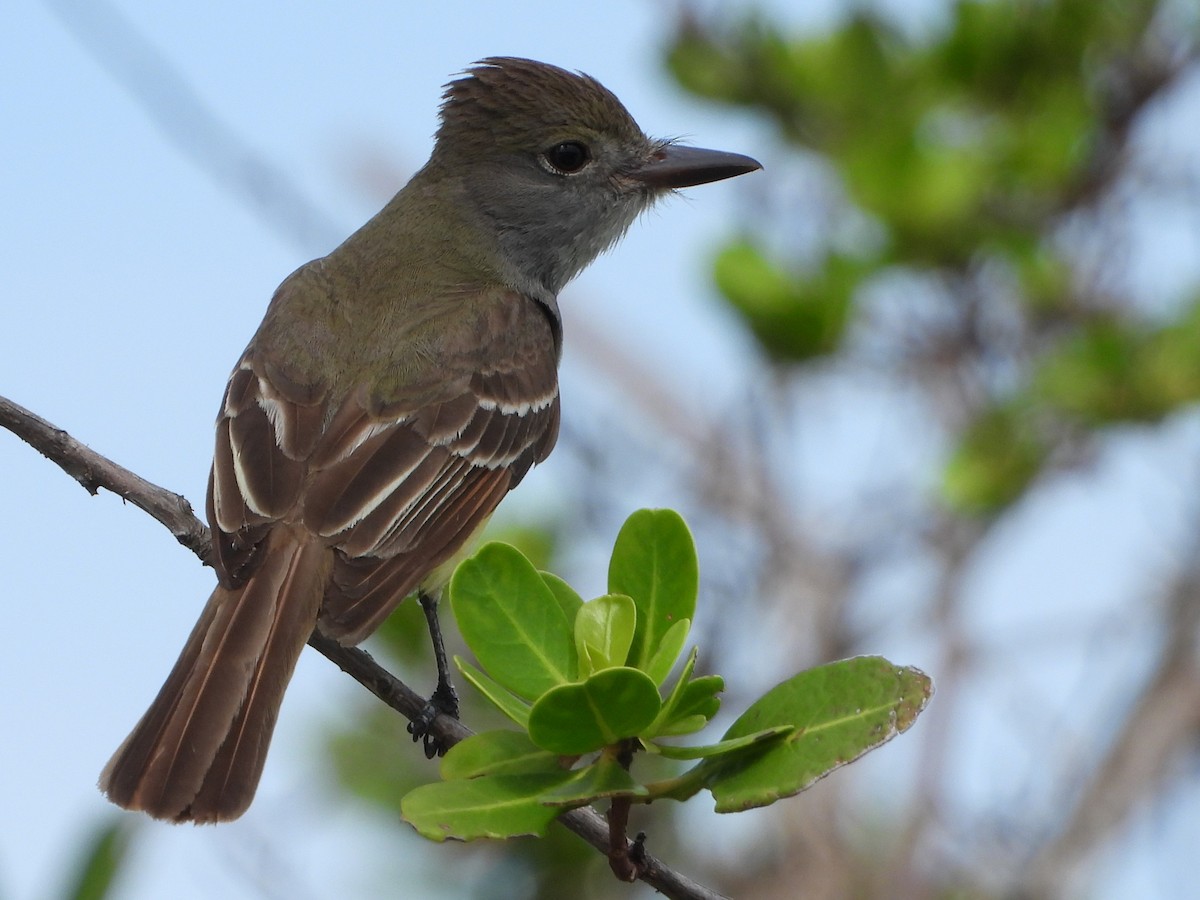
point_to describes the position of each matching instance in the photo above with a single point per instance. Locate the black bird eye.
(568, 157)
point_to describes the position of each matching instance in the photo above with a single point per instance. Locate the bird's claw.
(443, 701)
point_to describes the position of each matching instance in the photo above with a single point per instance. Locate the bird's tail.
(198, 752)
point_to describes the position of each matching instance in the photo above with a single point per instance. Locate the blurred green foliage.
(100, 860)
(969, 146)
(1111, 371)
(997, 456)
(793, 317)
(954, 144)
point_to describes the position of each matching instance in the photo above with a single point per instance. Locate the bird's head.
(555, 164)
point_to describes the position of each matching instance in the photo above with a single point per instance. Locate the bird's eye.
(568, 157)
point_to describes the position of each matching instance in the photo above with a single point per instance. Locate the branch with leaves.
(587, 685)
(94, 471)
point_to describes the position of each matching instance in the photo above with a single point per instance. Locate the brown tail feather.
(198, 752)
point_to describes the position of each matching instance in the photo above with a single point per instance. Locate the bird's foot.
(443, 701)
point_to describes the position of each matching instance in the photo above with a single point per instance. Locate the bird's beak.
(675, 166)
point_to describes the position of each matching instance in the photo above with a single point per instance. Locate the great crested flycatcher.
(395, 391)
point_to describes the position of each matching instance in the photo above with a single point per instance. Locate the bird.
(396, 390)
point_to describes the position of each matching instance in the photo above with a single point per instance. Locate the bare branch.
(94, 471)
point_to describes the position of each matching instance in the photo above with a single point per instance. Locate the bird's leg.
(444, 698)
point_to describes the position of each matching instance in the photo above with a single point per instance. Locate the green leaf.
(97, 867)
(682, 725)
(654, 562)
(688, 699)
(839, 711)
(603, 632)
(610, 705)
(691, 704)
(700, 697)
(497, 752)
(494, 806)
(505, 701)
(740, 750)
(660, 665)
(512, 621)
(604, 778)
(566, 596)
(689, 666)
(758, 741)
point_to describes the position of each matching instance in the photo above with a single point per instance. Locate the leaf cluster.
(589, 686)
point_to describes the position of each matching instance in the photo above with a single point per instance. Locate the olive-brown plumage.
(396, 390)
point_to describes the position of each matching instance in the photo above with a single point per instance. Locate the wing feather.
(396, 479)
(342, 495)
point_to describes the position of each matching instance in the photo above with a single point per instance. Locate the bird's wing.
(267, 431)
(394, 477)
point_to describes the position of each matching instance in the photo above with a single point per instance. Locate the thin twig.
(94, 471)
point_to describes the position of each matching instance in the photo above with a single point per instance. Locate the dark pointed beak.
(676, 166)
